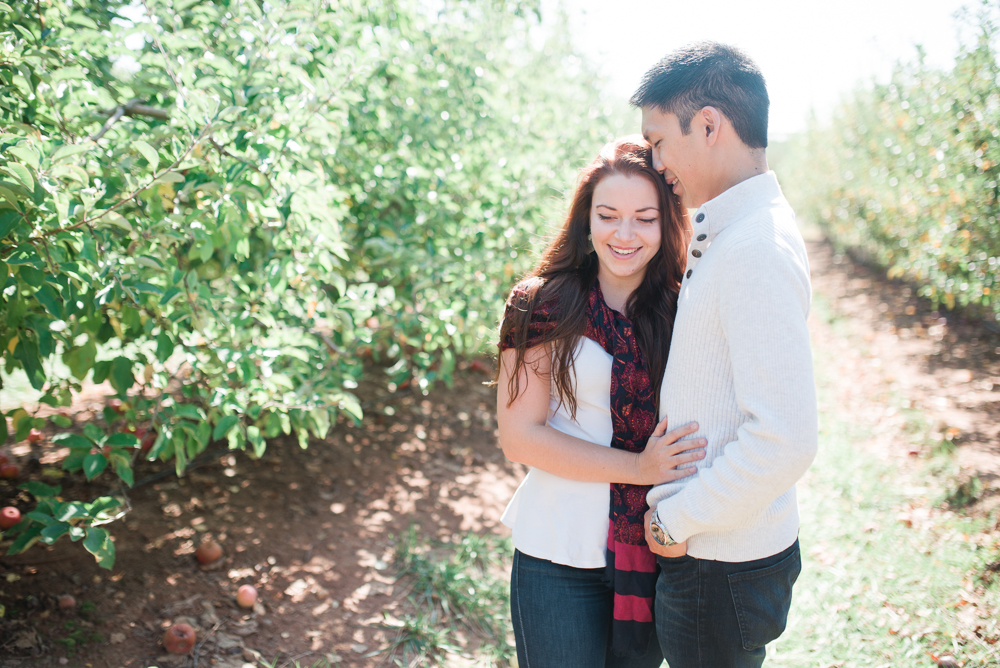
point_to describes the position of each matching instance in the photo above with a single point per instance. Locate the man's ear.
(711, 123)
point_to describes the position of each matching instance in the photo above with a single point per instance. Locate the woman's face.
(625, 227)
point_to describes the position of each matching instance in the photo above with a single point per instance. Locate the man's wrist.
(660, 533)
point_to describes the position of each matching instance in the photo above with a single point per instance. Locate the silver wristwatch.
(660, 533)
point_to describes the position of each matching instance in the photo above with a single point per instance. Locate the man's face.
(675, 155)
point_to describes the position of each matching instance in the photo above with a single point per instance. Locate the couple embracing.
(676, 290)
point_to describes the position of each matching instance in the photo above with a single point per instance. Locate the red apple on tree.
(9, 516)
(179, 638)
(208, 552)
(116, 405)
(34, 436)
(147, 438)
(246, 596)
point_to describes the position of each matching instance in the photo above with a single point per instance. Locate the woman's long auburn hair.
(568, 269)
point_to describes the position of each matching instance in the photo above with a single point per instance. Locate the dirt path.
(312, 529)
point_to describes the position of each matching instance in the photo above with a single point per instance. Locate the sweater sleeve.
(764, 299)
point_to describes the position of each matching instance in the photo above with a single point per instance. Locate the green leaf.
(122, 378)
(124, 471)
(39, 489)
(94, 433)
(259, 445)
(74, 460)
(164, 347)
(21, 174)
(94, 464)
(98, 542)
(24, 425)
(122, 439)
(148, 152)
(61, 420)
(27, 154)
(25, 540)
(73, 441)
(69, 150)
(52, 533)
(8, 219)
(81, 359)
(223, 426)
(189, 411)
(3, 430)
(40, 517)
(27, 354)
(101, 371)
(32, 276)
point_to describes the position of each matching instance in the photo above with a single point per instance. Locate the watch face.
(658, 534)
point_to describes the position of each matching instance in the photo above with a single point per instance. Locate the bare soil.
(313, 529)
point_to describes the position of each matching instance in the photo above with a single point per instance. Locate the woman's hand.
(665, 451)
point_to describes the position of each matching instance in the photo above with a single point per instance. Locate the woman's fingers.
(679, 433)
(661, 429)
(686, 444)
(677, 474)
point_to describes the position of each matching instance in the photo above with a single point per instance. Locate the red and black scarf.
(631, 566)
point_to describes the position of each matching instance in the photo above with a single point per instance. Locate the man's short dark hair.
(708, 74)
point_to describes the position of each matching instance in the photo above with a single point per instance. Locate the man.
(740, 364)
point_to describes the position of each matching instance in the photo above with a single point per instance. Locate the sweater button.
(700, 217)
(702, 237)
(696, 252)
(689, 273)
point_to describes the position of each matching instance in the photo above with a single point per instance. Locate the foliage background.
(906, 173)
(235, 212)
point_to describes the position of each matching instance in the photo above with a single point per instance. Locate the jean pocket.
(762, 598)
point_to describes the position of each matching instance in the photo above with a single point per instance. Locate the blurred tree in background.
(235, 211)
(907, 174)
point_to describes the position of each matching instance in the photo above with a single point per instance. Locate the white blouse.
(566, 521)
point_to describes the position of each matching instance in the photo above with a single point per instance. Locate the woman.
(584, 344)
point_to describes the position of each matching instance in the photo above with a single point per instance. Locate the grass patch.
(889, 578)
(459, 595)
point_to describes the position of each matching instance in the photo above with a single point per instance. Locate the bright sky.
(810, 51)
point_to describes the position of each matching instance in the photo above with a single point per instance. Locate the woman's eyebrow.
(648, 208)
(606, 206)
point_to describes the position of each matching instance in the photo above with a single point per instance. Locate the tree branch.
(118, 113)
(123, 200)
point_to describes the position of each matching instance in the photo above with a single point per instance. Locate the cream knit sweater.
(740, 365)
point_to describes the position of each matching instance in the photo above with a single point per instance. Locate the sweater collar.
(730, 207)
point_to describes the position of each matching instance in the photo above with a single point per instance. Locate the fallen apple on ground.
(179, 638)
(246, 596)
(208, 552)
(10, 471)
(67, 602)
(34, 436)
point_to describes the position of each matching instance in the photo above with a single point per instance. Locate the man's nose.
(657, 163)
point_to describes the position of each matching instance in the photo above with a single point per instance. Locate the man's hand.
(678, 550)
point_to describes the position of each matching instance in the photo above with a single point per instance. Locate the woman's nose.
(626, 230)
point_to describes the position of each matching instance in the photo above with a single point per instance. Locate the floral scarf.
(631, 566)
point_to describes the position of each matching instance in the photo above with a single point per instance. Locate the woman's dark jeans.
(562, 617)
(717, 614)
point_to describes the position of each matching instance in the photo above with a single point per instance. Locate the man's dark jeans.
(717, 614)
(562, 617)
